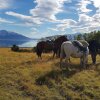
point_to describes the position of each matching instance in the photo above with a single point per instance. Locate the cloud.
(46, 10)
(82, 6)
(84, 19)
(87, 23)
(53, 29)
(4, 4)
(85, 29)
(29, 20)
(66, 23)
(2, 20)
(96, 3)
(84, 24)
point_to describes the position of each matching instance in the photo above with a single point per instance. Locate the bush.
(34, 49)
(15, 48)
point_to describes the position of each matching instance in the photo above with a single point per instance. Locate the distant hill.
(69, 36)
(8, 38)
(12, 35)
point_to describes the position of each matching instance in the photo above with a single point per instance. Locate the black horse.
(44, 46)
(94, 47)
(57, 45)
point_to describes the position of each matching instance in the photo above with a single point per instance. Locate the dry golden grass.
(25, 77)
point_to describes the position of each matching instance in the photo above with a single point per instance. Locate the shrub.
(15, 48)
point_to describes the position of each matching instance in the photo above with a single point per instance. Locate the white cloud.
(96, 3)
(84, 19)
(82, 6)
(87, 23)
(84, 24)
(66, 23)
(34, 29)
(96, 17)
(53, 29)
(4, 4)
(85, 29)
(47, 9)
(2, 20)
(29, 20)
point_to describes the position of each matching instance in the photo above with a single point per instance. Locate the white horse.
(68, 49)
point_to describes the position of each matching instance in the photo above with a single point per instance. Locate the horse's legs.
(93, 56)
(40, 55)
(81, 62)
(54, 53)
(61, 59)
(58, 52)
(84, 61)
(69, 60)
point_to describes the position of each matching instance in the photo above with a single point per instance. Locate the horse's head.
(61, 39)
(58, 42)
(39, 48)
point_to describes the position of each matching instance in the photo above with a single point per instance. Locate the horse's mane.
(61, 39)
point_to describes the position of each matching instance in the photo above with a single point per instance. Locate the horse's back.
(70, 50)
(67, 47)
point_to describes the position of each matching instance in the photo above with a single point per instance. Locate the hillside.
(25, 77)
(9, 38)
(69, 36)
(6, 35)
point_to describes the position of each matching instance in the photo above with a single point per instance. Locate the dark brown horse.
(43, 46)
(94, 47)
(57, 45)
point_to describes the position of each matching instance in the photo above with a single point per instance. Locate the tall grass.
(25, 77)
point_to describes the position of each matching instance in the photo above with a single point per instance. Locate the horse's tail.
(38, 51)
(62, 52)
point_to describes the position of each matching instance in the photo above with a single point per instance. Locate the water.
(23, 43)
(29, 44)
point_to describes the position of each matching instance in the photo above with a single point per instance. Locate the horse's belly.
(78, 55)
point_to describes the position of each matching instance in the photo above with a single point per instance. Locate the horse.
(54, 46)
(57, 45)
(94, 47)
(43, 46)
(75, 49)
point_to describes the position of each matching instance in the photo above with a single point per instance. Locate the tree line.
(95, 35)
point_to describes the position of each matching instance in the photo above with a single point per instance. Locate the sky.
(41, 18)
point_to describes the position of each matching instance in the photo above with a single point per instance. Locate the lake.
(22, 43)
(31, 43)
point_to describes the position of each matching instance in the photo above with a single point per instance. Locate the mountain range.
(69, 36)
(8, 38)
(7, 35)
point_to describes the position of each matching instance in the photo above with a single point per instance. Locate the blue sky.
(40, 18)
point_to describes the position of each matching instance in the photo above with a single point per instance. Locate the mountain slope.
(69, 36)
(12, 35)
(7, 38)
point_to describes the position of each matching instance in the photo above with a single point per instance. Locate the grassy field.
(25, 77)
